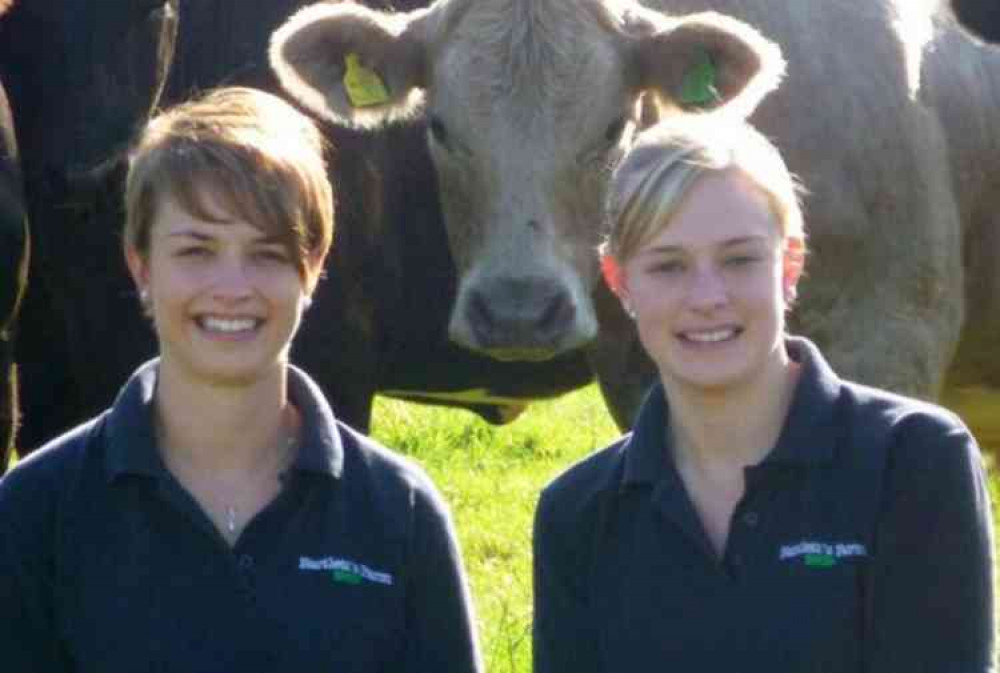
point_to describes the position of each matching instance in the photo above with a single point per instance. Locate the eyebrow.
(261, 239)
(189, 233)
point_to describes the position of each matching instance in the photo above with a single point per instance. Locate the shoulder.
(41, 487)
(576, 493)
(383, 473)
(365, 468)
(919, 443)
(53, 465)
(902, 423)
(873, 427)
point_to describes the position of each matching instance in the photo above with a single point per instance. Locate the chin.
(234, 375)
(712, 380)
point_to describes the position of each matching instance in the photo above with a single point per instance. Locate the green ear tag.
(698, 87)
(364, 86)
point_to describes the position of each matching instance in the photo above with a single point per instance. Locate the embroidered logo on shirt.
(821, 554)
(344, 571)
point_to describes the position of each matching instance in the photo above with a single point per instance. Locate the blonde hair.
(251, 149)
(657, 172)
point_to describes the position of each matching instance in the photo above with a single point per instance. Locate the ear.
(137, 267)
(793, 264)
(614, 277)
(350, 64)
(705, 61)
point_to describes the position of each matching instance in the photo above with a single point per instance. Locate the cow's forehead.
(529, 62)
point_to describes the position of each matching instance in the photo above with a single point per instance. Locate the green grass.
(491, 478)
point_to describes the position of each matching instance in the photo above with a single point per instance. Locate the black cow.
(80, 75)
(980, 17)
(13, 269)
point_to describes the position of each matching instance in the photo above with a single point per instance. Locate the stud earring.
(307, 301)
(145, 303)
(629, 311)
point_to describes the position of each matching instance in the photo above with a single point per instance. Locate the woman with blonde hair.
(764, 514)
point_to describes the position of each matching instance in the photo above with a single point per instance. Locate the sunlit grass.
(491, 478)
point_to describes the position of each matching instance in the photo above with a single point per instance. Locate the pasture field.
(491, 477)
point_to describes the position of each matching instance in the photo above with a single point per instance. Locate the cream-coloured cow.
(527, 104)
(527, 101)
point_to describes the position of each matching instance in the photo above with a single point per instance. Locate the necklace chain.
(230, 518)
(231, 510)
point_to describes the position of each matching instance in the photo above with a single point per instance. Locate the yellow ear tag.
(364, 86)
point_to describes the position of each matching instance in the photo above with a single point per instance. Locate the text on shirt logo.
(822, 554)
(344, 571)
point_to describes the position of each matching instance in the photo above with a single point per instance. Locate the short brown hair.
(259, 154)
(659, 169)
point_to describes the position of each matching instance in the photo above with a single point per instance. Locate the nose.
(708, 289)
(232, 280)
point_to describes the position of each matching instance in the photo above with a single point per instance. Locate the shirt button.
(246, 562)
(751, 519)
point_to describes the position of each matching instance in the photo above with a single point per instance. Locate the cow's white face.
(522, 133)
(528, 104)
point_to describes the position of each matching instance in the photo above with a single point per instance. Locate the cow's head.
(81, 75)
(528, 104)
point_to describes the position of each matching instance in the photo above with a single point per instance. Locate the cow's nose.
(520, 318)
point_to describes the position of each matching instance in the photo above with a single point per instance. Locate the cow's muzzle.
(511, 318)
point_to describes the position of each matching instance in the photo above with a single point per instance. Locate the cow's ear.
(352, 65)
(706, 61)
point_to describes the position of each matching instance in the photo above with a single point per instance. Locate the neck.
(223, 427)
(733, 428)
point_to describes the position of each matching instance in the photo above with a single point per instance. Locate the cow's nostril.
(481, 316)
(557, 314)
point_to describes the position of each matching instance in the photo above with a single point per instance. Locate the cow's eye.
(615, 130)
(438, 131)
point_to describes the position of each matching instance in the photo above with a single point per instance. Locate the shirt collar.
(810, 433)
(807, 438)
(647, 445)
(131, 438)
(321, 448)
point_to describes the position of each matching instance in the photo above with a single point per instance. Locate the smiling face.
(708, 289)
(225, 297)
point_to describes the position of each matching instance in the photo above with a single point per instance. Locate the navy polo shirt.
(863, 542)
(108, 565)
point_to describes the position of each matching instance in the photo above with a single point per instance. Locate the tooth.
(711, 337)
(222, 325)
